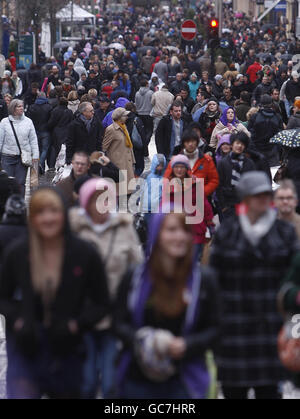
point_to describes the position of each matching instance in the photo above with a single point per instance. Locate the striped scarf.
(125, 131)
(237, 161)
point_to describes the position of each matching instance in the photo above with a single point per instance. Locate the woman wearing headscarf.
(52, 290)
(167, 316)
(209, 118)
(228, 124)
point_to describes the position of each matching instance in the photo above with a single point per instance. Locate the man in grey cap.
(251, 253)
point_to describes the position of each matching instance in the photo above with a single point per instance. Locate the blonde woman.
(47, 280)
(73, 101)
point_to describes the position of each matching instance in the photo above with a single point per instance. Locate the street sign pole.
(188, 33)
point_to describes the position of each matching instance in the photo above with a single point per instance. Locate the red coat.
(253, 69)
(204, 168)
(199, 229)
(13, 63)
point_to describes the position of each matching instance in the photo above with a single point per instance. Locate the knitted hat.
(295, 74)
(180, 159)
(90, 187)
(218, 77)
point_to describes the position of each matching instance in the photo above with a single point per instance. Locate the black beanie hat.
(240, 136)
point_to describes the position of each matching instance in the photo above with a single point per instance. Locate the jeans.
(156, 121)
(241, 393)
(44, 139)
(198, 250)
(14, 168)
(101, 347)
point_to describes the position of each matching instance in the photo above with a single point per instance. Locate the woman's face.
(7, 99)
(97, 210)
(212, 107)
(19, 110)
(230, 115)
(174, 240)
(180, 171)
(49, 222)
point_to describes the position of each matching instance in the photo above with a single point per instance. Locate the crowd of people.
(97, 300)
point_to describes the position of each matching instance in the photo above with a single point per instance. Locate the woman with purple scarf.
(167, 316)
(228, 124)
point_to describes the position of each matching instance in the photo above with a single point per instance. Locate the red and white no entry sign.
(188, 30)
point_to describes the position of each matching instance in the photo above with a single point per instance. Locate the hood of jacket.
(41, 101)
(144, 90)
(224, 139)
(268, 112)
(156, 161)
(121, 102)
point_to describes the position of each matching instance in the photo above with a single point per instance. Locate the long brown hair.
(168, 290)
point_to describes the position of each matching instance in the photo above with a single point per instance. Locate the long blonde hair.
(40, 200)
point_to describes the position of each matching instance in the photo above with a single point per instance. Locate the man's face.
(179, 77)
(275, 95)
(80, 165)
(176, 112)
(265, 80)
(184, 94)
(205, 75)
(89, 111)
(259, 203)
(227, 93)
(238, 147)
(55, 70)
(104, 105)
(34, 90)
(149, 52)
(191, 145)
(285, 201)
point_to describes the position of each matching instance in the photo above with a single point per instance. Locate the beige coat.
(161, 102)
(116, 242)
(220, 130)
(114, 144)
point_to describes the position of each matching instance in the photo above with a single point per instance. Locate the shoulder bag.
(25, 155)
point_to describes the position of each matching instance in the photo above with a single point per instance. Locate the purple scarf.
(224, 119)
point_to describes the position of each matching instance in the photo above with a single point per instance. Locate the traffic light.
(213, 33)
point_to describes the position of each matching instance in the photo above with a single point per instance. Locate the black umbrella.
(286, 57)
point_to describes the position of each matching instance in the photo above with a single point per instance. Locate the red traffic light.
(214, 23)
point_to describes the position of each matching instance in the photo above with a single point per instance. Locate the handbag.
(136, 137)
(25, 155)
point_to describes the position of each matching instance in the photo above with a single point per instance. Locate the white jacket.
(26, 135)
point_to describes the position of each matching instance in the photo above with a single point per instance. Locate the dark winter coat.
(138, 153)
(250, 279)
(83, 281)
(226, 192)
(207, 123)
(11, 229)
(263, 126)
(292, 89)
(79, 139)
(3, 109)
(163, 135)
(40, 113)
(58, 123)
(294, 121)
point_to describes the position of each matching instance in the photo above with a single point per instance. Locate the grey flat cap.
(253, 183)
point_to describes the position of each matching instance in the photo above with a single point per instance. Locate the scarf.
(87, 122)
(193, 157)
(255, 232)
(123, 127)
(237, 161)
